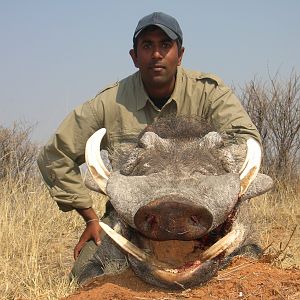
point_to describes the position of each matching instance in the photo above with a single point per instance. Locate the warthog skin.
(178, 186)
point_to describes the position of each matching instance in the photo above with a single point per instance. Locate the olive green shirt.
(125, 109)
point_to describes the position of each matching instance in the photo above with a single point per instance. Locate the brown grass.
(37, 239)
(36, 243)
(277, 218)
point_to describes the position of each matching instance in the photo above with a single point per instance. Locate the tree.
(274, 107)
(17, 152)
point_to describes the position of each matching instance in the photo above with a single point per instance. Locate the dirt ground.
(243, 279)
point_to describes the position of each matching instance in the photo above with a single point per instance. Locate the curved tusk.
(132, 249)
(221, 245)
(94, 161)
(124, 243)
(251, 165)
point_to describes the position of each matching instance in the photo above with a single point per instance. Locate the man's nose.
(156, 54)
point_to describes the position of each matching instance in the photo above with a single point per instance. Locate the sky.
(56, 54)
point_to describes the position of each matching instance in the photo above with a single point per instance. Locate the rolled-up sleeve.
(60, 158)
(228, 115)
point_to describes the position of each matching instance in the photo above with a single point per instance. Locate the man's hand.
(91, 232)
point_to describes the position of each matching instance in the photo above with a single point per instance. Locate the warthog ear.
(261, 184)
(94, 161)
(88, 179)
(87, 176)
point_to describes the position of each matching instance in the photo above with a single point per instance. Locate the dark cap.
(165, 22)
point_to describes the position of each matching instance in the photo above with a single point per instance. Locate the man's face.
(157, 57)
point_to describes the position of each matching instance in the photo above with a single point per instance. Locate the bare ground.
(243, 279)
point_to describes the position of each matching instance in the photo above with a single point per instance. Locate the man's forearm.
(88, 214)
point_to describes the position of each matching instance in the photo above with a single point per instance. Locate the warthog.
(180, 201)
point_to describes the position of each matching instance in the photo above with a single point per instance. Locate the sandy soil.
(243, 279)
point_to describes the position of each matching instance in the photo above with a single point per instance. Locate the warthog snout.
(171, 218)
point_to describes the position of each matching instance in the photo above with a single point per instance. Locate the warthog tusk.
(124, 243)
(251, 165)
(221, 245)
(94, 161)
(132, 249)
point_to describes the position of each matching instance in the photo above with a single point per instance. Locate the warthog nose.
(172, 218)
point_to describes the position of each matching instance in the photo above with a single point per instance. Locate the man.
(160, 87)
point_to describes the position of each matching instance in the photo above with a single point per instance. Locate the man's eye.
(167, 45)
(146, 46)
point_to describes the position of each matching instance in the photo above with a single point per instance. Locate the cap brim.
(171, 34)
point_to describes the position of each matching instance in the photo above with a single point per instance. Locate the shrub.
(17, 153)
(274, 107)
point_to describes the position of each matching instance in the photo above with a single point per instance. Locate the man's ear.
(180, 55)
(134, 58)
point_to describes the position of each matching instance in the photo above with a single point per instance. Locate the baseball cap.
(167, 23)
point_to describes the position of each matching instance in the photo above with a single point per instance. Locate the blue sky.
(56, 54)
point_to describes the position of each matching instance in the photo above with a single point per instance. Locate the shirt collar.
(142, 97)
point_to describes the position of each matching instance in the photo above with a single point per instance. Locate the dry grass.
(37, 239)
(277, 218)
(36, 243)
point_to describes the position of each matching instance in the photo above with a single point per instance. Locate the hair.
(152, 28)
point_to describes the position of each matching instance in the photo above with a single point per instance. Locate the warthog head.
(179, 190)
